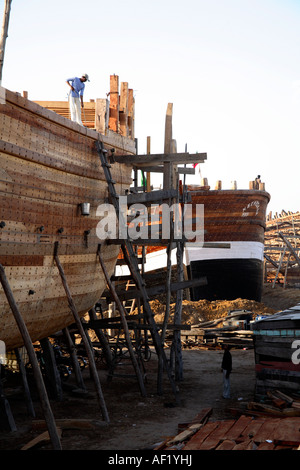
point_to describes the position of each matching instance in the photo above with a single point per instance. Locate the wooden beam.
(161, 169)
(114, 103)
(123, 109)
(141, 161)
(151, 197)
(161, 289)
(130, 114)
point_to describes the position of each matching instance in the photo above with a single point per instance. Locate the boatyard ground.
(140, 423)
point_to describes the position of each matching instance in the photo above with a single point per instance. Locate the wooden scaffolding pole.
(124, 323)
(4, 34)
(83, 335)
(34, 362)
(132, 262)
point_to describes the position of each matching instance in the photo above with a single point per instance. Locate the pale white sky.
(231, 69)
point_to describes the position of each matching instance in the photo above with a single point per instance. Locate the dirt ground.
(140, 423)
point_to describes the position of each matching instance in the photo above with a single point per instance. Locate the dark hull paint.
(228, 279)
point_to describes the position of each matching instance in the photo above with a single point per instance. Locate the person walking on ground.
(226, 368)
(77, 86)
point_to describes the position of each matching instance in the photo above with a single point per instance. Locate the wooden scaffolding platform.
(282, 249)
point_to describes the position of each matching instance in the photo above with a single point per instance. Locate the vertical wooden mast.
(4, 33)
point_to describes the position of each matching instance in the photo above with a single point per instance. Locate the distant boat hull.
(48, 167)
(231, 257)
(237, 218)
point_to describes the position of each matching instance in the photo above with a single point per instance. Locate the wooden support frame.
(131, 260)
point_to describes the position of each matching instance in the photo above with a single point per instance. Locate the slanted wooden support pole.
(102, 338)
(83, 335)
(34, 362)
(124, 323)
(7, 422)
(27, 394)
(51, 369)
(290, 247)
(74, 359)
(4, 34)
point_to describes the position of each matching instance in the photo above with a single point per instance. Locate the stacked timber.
(105, 115)
(277, 354)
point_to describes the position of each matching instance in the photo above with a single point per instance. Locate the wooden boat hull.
(48, 167)
(235, 217)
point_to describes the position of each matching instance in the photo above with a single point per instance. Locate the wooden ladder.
(132, 263)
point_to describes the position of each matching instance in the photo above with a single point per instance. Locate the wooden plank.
(123, 109)
(157, 196)
(200, 436)
(216, 436)
(251, 429)
(244, 445)
(237, 429)
(42, 438)
(184, 435)
(226, 445)
(131, 103)
(266, 446)
(288, 433)
(114, 104)
(266, 431)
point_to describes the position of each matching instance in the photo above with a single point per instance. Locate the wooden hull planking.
(48, 167)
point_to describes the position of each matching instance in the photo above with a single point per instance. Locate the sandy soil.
(136, 422)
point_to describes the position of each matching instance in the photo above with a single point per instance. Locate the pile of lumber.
(244, 433)
(231, 330)
(277, 404)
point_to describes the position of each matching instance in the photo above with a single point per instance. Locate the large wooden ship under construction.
(49, 169)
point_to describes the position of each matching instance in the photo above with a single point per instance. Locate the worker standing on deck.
(226, 368)
(77, 86)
